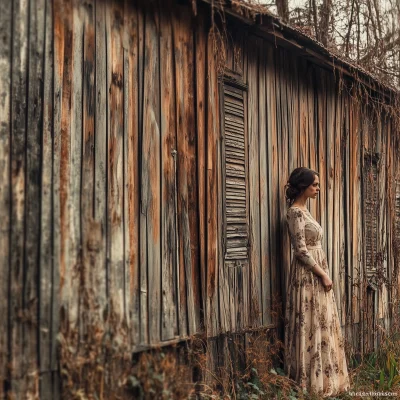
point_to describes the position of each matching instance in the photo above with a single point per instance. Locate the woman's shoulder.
(294, 211)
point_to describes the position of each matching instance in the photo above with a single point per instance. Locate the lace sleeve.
(296, 225)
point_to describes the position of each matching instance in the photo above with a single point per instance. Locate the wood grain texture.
(90, 229)
(321, 127)
(313, 137)
(356, 227)
(169, 325)
(347, 215)
(273, 180)
(200, 87)
(132, 199)
(5, 163)
(186, 170)
(330, 165)
(151, 196)
(213, 231)
(47, 265)
(337, 207)
(19, 87)
(254, 184)
(144, 315)
(115, 196)
(60, 99)
(265, 246)
(303, 114)
(293, 111)
(283, 170)
(74, 162)
(100, 179)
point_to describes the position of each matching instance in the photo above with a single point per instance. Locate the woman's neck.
(301, 202)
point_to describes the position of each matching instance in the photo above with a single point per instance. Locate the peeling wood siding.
(112, 178)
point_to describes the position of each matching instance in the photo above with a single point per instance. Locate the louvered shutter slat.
(371, 216)
(235, 203)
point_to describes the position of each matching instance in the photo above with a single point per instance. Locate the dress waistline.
(317, 246)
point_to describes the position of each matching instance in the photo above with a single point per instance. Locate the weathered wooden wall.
(112, 180)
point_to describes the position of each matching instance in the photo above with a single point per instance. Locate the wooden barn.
(144, 148)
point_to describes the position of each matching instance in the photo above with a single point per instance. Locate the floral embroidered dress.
(314, 346)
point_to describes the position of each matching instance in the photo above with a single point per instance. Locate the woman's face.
(313, 190)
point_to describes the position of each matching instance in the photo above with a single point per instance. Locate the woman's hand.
(327, 283)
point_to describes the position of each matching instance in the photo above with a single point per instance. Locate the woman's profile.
(314, 346)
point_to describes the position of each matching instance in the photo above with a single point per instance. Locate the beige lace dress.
(314, 346)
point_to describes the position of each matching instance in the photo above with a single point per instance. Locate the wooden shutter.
(397, 212)
(371, 215)
(234, 171)
(396, 233)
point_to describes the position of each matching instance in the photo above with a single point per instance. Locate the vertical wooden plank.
(187, 181)
(383, 190)
(169, 326)
(341, 177)
(347, 204)
(356, 231)
(61, 63)
(389, 217)
(279, 177)
(116, 278)
(144, 316)
(5, 161)
(18, 190)
(131, 24)
(33, 186)
(75, 160)
(151, 196)
(47, 265)
(330, 158)
(293, 130)
(312, 130)
(69, 169)
(343, 277)
(321, 78)
(125, 180)
(273, 179)
(337, 205)
(212, 318)
(223, 271)
(91, 229)
(293, 111)
(100, 156)
(303, 114)
(284, 172)
(200, 86)
(264, 208)
(255, 310)
(98, 122)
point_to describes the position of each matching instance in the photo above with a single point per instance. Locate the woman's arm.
(296, 225)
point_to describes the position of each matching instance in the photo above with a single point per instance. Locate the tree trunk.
(283, 9)
(325, 15)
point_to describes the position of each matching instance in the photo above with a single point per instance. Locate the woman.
(314, 346)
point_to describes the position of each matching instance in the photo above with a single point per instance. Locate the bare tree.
(283, 9)
(324, 17)
(365, 31)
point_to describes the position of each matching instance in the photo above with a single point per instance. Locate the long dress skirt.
(314, 346)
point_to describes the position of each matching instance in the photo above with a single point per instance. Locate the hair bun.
(299, 180)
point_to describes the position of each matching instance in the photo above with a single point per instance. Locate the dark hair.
(300, 179)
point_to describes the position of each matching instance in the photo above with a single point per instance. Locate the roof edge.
(271, 24)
